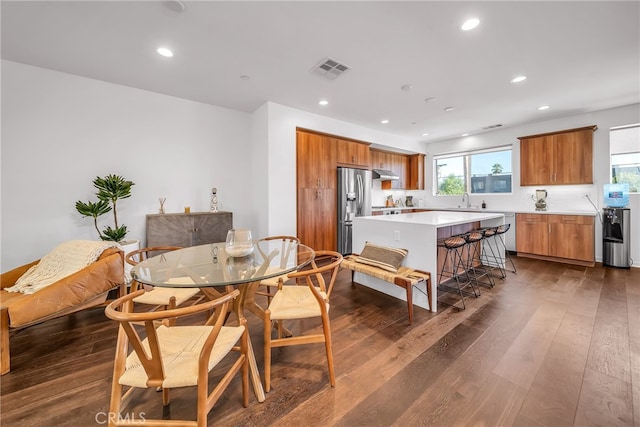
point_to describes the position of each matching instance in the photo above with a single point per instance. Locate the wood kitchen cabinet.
(532, 234)
(564, 238)
(316, 160)
(416, 172)
(352, 153)
(396, 162)
(317, 218)
(198, 228)
(573, 237)
(557, 158)
(380, 159)
(316, 187)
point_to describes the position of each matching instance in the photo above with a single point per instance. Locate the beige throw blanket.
(64, 260)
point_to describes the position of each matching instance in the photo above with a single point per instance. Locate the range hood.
(385, 175)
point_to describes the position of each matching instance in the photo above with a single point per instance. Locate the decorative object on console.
(214, 200)
(161, 200)
(111, 188)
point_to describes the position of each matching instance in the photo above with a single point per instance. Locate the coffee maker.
(541, 200)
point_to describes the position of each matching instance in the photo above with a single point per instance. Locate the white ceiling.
(578, 56)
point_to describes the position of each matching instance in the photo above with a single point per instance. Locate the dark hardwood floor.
(553, 345)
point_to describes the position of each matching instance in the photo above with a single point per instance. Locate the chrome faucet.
(468, 200)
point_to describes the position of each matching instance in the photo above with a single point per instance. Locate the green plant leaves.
(111, 188)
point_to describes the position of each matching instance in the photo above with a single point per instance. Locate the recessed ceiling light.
(465, 134)
(518, 79)
(543, 107)
(164, 52)
(245, 77)
(323, 102)
(429, 99)
(425, 134)
(406, 87)
(470, 24)
(448, 109)
(384, 122)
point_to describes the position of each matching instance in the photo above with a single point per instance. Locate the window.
(625, 156)
(474, 172)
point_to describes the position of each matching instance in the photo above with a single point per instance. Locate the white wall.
(567, 197)
(59, 131)
(282, 157)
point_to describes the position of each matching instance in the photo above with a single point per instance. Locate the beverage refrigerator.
(354, 199)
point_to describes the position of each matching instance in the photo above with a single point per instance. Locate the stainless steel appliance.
(616, 235)
(354, 199)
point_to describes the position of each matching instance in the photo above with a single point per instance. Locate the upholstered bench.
(405, 277)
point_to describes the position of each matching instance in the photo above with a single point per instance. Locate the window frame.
(466, 155)
(614, 152)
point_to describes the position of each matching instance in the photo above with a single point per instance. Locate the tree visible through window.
(486, 171)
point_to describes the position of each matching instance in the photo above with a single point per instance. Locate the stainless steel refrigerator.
(354, 199)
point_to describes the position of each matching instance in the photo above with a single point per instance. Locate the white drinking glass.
(239, 242)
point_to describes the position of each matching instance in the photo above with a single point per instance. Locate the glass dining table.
(210, 268)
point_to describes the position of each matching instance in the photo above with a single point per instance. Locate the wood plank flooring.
(552, 345)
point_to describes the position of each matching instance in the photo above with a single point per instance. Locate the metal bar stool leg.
(501, 230)
(488, 255)
(480, 273)
(454, 258)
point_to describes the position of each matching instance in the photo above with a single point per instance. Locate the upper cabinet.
(410, 169)
(352, 153)
(416, 172)
(557, 158)
(316, 160)
(380, 159)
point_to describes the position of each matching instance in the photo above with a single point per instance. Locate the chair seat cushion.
(295, 302)
(180, 347)
(161, 296)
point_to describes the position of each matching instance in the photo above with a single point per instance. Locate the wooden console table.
(192, 229)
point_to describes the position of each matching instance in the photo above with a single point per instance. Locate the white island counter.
(418, 233)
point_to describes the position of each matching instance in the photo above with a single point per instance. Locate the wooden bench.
(406, 278)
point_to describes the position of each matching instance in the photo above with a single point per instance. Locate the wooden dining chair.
(268, 287)
(175, 356)
(160, 298)
(308, 298)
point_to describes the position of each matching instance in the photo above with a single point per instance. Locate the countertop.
(529, 211)
(434, 218)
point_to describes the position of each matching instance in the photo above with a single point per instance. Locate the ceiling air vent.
(492, 126)
(330, 69)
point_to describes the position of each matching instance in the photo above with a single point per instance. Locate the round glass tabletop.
(210, 265)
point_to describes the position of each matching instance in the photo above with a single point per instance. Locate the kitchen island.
(418, 233)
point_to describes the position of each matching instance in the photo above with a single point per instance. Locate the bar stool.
(500, 231)
(454, 269)
(488, 255)
(478, 272)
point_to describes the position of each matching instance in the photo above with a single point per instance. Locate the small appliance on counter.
(409, 202)
(541, 200)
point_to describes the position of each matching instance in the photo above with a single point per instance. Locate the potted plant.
(111, 188)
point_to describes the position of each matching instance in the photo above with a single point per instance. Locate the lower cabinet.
(317, 218)
(198, 228)
(564, 238)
